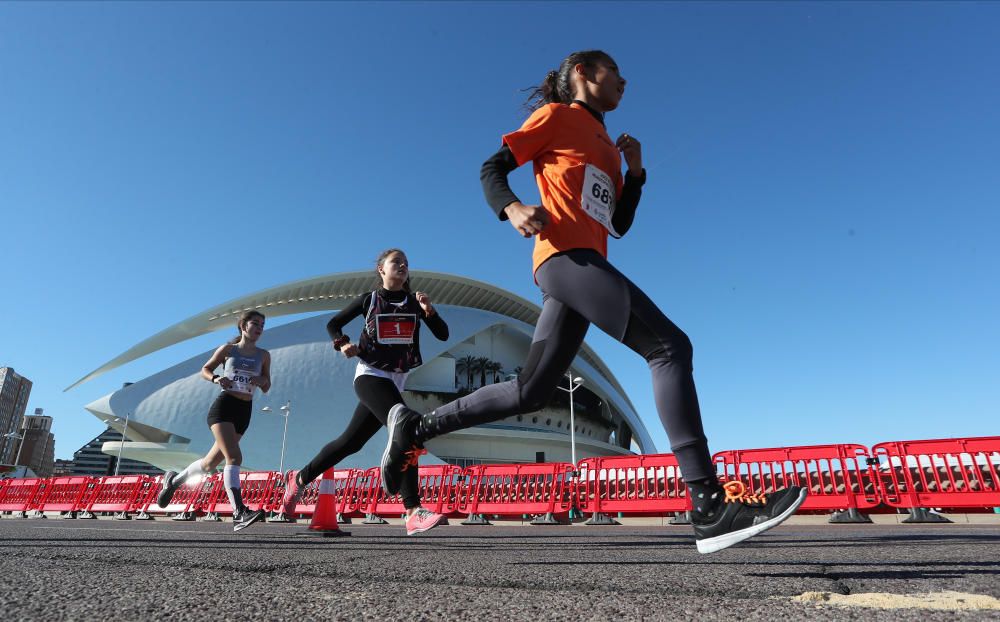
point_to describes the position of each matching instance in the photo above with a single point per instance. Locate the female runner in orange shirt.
(585, 198)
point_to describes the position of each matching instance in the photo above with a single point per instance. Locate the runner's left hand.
(425, 303)
(632, 151)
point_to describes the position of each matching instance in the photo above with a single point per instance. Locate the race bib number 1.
(599, 197)
(395, 328)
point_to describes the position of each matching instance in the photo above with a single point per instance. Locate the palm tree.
(481, 367)
(467, 365)
(496, 369)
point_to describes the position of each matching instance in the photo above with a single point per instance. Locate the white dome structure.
(167, 411)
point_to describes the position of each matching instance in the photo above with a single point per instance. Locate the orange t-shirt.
(569, 149)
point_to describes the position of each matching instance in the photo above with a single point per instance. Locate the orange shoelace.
(736, 492)
(411, 457)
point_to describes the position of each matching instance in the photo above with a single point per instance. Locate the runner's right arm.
(493, 176)
(337, 323)
(495, 170)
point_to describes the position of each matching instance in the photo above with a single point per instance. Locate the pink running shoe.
(292, 493)
(422, 520)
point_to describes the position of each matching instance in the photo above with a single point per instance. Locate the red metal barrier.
(440, 487)
(518, 489)
(838, 477)
(190, 497)
(945, 473)
(21, 495)
(63, 494)
(255, 488)
(648, 484)
(120, 493)
(345, 481)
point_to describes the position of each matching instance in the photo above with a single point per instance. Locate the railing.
(961, 473)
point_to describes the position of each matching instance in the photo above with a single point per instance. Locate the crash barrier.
(542, 489)
(189, 499)
(945, 473)
(256, 488)
(838, 477)
(63, 494)
(19, 495)
(631, 485)
(440, 486)
(948, 473)
(117, 494)
(344, 489)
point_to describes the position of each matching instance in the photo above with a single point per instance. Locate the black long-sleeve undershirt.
(361, 305)
(496, 188)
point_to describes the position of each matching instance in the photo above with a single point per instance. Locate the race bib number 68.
(599, 197)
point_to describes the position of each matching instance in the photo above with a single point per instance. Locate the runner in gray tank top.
(246, 368)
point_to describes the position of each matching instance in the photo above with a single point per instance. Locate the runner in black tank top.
(388, 349)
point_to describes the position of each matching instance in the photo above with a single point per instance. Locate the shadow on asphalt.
(878, 574)
(884, 574)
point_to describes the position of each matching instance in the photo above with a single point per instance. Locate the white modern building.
(490, 333)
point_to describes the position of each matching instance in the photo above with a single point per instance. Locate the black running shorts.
(229, 409)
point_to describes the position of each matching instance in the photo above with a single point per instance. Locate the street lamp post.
(286, 410)
(121, 444)
(20, 446)
(574, 384)
(6, 444)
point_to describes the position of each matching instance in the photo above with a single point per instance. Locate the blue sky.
(820, 214)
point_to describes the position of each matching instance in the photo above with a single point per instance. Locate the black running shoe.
(246, 517)
(743, 516)
(168, 489)
(402, 451)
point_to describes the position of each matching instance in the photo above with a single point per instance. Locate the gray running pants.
(580, 288)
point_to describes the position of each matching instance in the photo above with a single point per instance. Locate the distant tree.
(482, 365)
(496, 369)
(466, 365)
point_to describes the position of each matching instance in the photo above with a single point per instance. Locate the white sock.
(192, 470)
(231, 480)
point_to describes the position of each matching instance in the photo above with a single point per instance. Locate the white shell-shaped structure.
(167, 411)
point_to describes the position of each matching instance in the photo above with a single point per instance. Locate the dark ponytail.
(557, 88)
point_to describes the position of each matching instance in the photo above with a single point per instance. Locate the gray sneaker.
(246, 517)
(168, 489)
(402, 452)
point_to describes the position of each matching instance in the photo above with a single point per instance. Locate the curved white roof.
(333, 291)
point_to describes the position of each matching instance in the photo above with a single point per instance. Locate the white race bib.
(599, 197)
(395, 328)
(241, 382)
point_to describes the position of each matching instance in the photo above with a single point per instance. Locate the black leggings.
(579, 288)
(377, 396)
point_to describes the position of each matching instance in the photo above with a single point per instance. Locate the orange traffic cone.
(324, 518)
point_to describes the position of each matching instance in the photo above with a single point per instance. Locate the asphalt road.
(87, 570)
